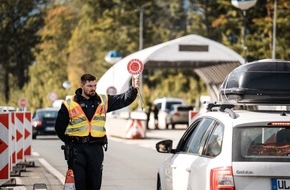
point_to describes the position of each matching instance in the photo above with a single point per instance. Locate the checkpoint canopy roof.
(211, 60)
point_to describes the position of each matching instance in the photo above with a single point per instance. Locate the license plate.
(280, 184)
(49, 129)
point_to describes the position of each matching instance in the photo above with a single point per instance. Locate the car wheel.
(158, 183)
(33, 136)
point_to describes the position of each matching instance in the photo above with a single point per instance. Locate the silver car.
(178, 114)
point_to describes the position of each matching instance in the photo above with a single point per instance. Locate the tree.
(50, 68)
(77, 35)
(84, 48)
(225, 23)
(20, 21)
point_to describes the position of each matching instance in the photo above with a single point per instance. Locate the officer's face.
(89, 89)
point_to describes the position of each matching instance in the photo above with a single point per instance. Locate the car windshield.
(261, 143)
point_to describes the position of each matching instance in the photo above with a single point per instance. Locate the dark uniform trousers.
(88, 165)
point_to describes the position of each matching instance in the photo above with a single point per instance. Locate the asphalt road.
(129, 164)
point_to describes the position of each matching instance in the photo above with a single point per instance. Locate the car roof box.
(259, 82)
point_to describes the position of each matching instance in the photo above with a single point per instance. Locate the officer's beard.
(90, 94)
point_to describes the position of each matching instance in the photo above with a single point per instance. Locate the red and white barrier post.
(19, 126)
(4, 148)
(12, 140)
(15, 144)
(27, 134)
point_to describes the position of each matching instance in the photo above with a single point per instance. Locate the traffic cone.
(69, 180)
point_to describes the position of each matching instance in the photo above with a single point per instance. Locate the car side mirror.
(164, 146)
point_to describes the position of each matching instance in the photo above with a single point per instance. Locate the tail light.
(37, 123)
(222, 179)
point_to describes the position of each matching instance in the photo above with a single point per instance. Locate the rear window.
(261, 144)
(184, 108)
(169, 105)
(47, 114)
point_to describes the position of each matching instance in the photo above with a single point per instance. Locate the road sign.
(113, 57)
(135, 67)
(22, 102)
(52, 96)
(111, 90)
(66, 84)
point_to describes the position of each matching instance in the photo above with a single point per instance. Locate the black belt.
(89, 140)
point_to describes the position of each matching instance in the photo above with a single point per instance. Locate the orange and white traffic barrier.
(136, 129)
(4, 148)
(130, 125)
(27, 139)
(191, 116)
(69, 183)
(19, 119)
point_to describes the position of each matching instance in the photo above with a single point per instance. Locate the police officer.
(80, 124)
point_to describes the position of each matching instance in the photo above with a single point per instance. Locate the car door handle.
(188, 170)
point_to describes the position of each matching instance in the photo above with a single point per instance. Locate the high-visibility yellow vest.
(79, 124)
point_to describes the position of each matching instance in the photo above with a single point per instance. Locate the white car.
(236, 146)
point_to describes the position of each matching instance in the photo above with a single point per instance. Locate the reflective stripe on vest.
(79, 124)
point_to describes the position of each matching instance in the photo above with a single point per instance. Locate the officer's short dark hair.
(87, 77)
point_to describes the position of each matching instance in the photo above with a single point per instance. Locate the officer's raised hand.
(136, 82)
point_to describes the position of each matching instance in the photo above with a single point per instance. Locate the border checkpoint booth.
(211, 60)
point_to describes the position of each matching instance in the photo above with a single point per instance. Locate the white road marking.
(51, 169)
(34, 154)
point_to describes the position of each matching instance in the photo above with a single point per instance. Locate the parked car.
(43, 121)
(235, 144)
(178, 114)
(164, 105)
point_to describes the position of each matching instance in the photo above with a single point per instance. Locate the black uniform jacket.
(89, 106)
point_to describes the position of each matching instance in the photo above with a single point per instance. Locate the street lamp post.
(244, 34)
(141, 16)
(141, 23)
(274, 31)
